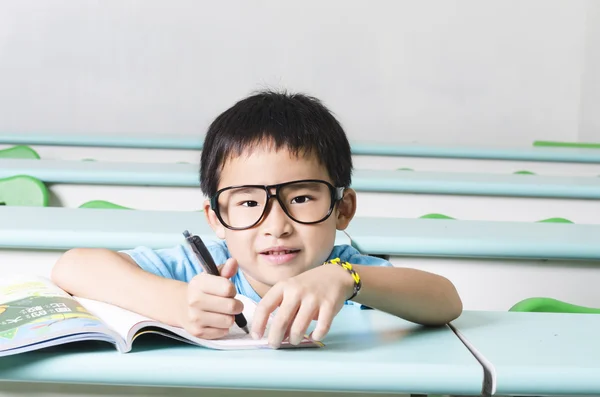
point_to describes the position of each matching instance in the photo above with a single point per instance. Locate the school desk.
(364, 156)
(361, 147)
(389, 181)
(56, 228)
(492, 264)
(557, 260)
(536, 353)
(366, 351)
(64, 228)
(483, 239)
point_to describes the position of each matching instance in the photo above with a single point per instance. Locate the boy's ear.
(213, 221)
(346, 208)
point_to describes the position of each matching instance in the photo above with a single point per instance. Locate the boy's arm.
(319, 294)
(415, 295)
(115, 278)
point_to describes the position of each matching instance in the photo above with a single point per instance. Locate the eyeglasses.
(306, 201)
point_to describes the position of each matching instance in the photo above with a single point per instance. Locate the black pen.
(206, 260)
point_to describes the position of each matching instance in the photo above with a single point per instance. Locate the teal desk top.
(476, 184)
(178, 141)
(439, 237)
(105, 172)
(537, 353)
(478, 152)
(64, 228)
(366, 351)
(144, 174)
(146, 141)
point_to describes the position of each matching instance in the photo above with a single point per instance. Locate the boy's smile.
(280, 255)
(278, 247)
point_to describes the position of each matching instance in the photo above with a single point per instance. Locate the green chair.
(555, 220)
(102, 204)
(23, 190)
(19, 152)
(435, 216)
(549, 305)
(524, 172)
(442, 216)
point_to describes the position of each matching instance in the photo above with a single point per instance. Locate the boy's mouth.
(279, 255)
(283, 252)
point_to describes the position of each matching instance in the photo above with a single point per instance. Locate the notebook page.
(123, 321)
(119, 320)
(237, 338)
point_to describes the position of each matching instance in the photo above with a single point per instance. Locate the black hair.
(296, 122)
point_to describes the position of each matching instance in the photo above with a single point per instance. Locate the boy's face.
(256, 248)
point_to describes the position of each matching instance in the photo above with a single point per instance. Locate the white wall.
(494, 72)
(589, 129)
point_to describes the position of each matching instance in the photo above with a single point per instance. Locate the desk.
(391, 181)
(510, 261)
(64, 228)
(363, 147)
(536, 353)
(366, 351)
(60, 228)
(472, 239)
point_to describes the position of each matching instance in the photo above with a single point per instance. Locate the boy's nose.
(276, 223)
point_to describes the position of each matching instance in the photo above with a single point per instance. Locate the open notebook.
(35, 313)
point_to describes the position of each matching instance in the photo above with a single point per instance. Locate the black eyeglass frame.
(337, 193)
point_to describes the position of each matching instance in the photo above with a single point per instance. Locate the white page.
(123, 321)
(119, 320)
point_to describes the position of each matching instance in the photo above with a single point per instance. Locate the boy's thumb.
(229, 269)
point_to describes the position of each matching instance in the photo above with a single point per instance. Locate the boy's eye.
(301, 199)
(249, 203)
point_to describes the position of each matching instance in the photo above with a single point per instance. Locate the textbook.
(35, 314)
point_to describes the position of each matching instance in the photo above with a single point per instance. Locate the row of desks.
(511, 261)
(390, 181)
(541, 151)
(481, 353)
(64, 228)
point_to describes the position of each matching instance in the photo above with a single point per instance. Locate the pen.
(209, 266)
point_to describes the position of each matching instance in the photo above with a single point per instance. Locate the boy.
(276, 169)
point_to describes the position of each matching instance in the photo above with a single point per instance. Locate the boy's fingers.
(265, 307)
(281, 322)
(323, 323)
(216, 285)
(229, 268)
(301, 322)
(219, 304)
(209, 333)
(213, 320)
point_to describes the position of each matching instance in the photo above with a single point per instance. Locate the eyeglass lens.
(303, 202)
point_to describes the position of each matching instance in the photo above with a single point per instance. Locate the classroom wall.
(463, 72)
(589, 129)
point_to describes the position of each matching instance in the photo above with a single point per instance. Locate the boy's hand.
(317, 294)
(210, 306)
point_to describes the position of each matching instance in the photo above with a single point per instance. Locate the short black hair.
(297, 122)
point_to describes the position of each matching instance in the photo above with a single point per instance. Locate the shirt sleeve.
(177, 263)
(347, 253)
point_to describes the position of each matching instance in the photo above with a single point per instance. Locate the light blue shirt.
(180, 263)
